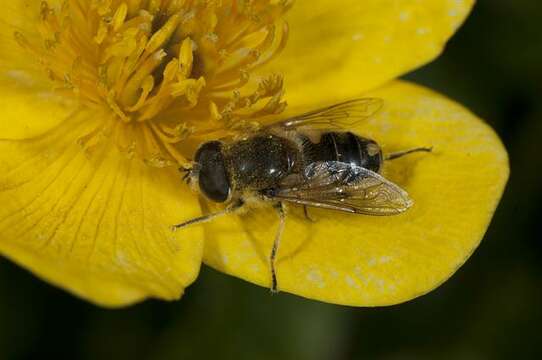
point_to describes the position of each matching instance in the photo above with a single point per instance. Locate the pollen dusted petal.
(28, 106)
(18, 15)
(13, 18)
(98, 227)
(369, 261)
(338, 49)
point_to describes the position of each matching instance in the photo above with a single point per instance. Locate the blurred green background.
(491, 309)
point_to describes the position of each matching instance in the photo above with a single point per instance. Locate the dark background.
(491, 309)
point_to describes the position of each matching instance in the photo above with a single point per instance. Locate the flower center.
(163, 70)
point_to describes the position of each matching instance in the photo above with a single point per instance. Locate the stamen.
(164, 70)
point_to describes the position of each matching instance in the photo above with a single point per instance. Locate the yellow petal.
(97, 226)
(28, 106)
(368, 261)
(28, 111)
(377, 40)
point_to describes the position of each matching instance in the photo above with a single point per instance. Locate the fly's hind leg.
(399, 154)
(274, 250)
(206, 218)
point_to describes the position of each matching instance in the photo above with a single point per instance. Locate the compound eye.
(213, 177)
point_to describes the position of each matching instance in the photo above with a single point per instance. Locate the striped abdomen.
(344, 147)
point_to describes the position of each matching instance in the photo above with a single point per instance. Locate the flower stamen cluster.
(163, 70)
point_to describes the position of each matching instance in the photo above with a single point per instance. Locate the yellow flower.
(103, 99)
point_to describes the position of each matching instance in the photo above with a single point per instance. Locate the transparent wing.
(344, 187)
(338, 116)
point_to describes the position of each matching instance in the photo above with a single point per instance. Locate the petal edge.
(338, 49)
(100, 226)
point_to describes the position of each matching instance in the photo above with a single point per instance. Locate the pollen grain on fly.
(162, 70)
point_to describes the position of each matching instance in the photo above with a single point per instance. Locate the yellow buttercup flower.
(102, 101)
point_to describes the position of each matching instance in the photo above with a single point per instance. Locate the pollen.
(160, 72)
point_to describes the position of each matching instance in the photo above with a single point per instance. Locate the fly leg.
(187, 174)
(206, 218)
(406, 152)
(275, 248)
(307, 215)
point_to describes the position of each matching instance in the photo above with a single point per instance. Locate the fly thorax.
(261, 161)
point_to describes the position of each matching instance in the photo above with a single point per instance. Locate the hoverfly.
(306, 160)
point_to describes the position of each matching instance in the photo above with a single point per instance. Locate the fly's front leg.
(206, 218)
(307, 215)
(274, 250)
